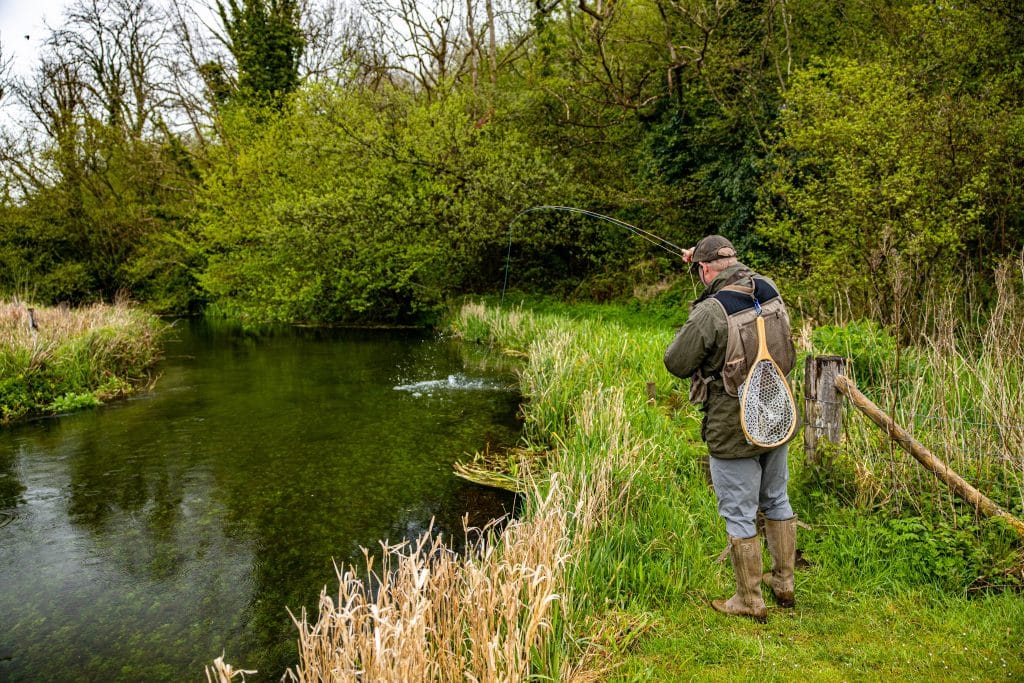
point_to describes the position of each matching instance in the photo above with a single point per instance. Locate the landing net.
(767, 410)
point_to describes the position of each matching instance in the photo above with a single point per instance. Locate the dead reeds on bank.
(428, 614)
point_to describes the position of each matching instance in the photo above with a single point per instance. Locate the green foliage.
(352, 208)
(72, 401)
(856, 148)
(103, 228)
(266, 40)
(931, 553)
(77, 359)
(873, 152)
(14, 398)
(868, 346)
(707, 161)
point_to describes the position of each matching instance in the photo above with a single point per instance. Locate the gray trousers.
(745, 484)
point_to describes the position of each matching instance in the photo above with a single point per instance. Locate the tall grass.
(72, 357)
(960, 392)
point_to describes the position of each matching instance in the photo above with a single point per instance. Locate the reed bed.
(430, 615)
(58, 358)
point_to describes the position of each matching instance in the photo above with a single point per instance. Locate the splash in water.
(450, 383)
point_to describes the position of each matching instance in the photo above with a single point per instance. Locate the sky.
(20, 18)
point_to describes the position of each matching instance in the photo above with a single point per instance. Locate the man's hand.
(687, 255)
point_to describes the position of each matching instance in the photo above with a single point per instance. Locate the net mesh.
(767, 409)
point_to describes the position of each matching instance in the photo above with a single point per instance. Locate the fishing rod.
(656, 240)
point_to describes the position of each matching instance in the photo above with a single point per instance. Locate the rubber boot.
(746, 565)
(781, 537)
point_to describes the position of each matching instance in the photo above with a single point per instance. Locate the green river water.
(141, 539)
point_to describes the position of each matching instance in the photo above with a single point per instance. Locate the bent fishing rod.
(656, 240)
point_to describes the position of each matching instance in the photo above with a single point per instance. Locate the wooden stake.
(940, 469)
(823, 407)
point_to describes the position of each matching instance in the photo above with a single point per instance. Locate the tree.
(356, 206)
(873, 190)
(105, 183)
(266, 39)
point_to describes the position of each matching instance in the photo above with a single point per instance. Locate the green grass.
(893, 591)
(837, 635)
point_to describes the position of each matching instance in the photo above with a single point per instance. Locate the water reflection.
(153, 534)
(11, 487)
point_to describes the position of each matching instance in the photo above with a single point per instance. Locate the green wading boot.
(746, 565)
(781, 537)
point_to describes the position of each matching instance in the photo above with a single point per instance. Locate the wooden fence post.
(823, 406)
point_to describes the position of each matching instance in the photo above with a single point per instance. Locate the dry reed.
(57, 326)
(222, 672)
(59, 323)
(429, 614)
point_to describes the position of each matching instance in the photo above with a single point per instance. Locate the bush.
(872, 350)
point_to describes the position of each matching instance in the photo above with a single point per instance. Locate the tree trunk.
(492, 48)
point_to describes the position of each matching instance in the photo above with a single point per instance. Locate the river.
(141, 539)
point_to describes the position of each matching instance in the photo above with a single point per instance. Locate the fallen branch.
(940, 469)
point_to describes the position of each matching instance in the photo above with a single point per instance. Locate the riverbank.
(888, 593)
(54, 360)
(620, 535)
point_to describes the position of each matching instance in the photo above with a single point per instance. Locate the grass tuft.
(53, 360)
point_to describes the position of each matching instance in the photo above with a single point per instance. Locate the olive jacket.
(699, 347)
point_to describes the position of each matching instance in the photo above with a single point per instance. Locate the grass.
(879, 574)
(72, 358)
(862, 639)
(960, 392)
(902, 581)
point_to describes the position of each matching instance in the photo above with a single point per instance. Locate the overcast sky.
(20, 18)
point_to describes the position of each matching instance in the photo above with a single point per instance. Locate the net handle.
(762, 343)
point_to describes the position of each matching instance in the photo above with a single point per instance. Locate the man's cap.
(711, 248)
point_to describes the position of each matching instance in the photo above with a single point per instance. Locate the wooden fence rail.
(940, 469)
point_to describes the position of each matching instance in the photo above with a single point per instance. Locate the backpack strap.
(739, 288)
(749, 291)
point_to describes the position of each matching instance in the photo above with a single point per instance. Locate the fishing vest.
(737, 302)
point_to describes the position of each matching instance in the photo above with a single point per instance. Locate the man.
(745, 476)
